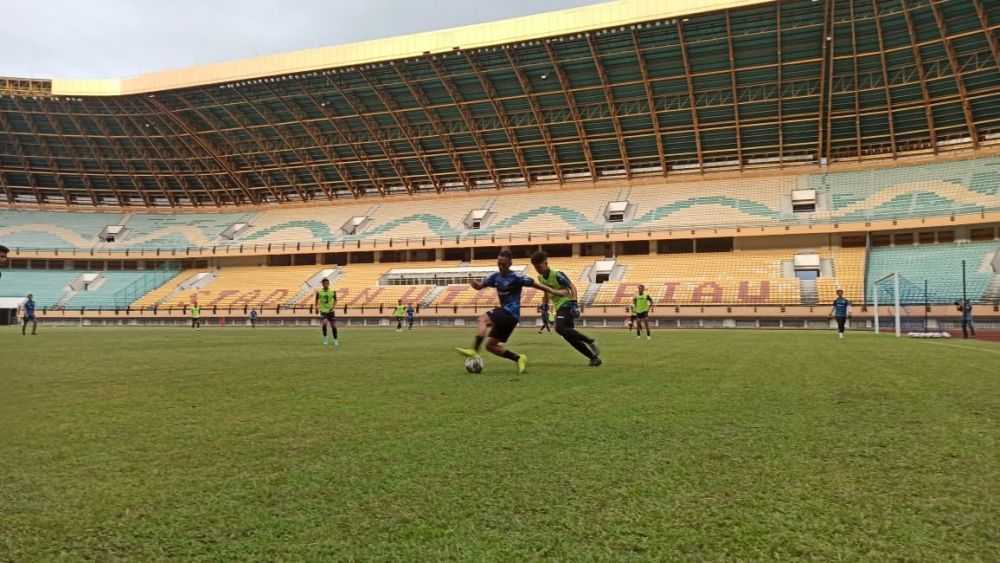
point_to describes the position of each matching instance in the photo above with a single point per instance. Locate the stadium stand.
(712, 203)
(848, 274)
(711, 278)
(939, 264)
(963, 186)
(47, 286)
(939, 189)
(104, 295)
(163, 230)
(53, 229)
(239, 286)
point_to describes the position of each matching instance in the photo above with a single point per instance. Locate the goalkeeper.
(566, 307)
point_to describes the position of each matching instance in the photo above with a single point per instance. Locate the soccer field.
(145, 443)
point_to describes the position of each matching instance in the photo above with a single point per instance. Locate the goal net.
(900, 305)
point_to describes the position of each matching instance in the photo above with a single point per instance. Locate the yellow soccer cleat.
(467, 352)
(522, 363)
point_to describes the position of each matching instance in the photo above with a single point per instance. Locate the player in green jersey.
(566, 307)
(642, 306)
(326, 300)
(195, 315)
(399, 312)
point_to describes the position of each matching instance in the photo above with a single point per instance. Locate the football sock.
(511, 356)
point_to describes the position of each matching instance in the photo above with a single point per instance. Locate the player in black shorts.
(500, 322)
(326, 300)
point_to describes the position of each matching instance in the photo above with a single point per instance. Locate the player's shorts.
(642, 315)
(503, 324)
(328, 316)
(399, 319)
(29, 318)
(565, 318)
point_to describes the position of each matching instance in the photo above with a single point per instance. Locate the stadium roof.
(607, 92)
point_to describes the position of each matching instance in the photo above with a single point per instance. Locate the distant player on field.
(500, 322)
(253, 318)
(326, 300)
(543, 310)
(965, 307)
(195, 316)
(841, 311)
(567, 308)
(400, 312)
(29, 316)
(3, 255)
(410, 312)
(629, 317)
(642, 306)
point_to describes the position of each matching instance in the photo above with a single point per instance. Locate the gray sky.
(120, 38)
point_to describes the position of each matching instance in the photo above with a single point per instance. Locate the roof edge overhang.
(489, 34)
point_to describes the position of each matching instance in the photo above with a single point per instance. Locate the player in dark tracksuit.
(841, 311)
(965, 306)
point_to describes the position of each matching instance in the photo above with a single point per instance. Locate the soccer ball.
(474, 365)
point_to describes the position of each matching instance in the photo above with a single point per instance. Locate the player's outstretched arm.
(477, 285)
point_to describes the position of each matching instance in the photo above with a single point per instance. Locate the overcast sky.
(120, 38)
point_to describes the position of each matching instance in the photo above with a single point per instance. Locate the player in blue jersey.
(3, 255)
(543, 310)
(500, 322)
(841, 311)
(410, 312)
(253, 318)
(29, 317)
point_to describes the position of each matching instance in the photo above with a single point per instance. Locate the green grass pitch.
(144, 443)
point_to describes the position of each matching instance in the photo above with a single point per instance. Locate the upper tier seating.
(937, 189)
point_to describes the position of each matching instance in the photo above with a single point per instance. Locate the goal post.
(892, 279)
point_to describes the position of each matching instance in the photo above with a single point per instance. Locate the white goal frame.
(895, 289)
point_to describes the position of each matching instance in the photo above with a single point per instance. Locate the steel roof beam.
(885, 80)
(287, 171)
(359, 110)
(5, 125)
(581, 130)
(924, 91)
(234, 175)
(497, 103)
(651, 101)
(358, 151)
(477, 137)
(691, 96)
(81, 166)
(46, 151)
(122, 157)
(425, 106)
(273, 154)
(609, 96)
(404, 125)
(296, 110)
(144, 130)
(987, 30)
(956, 71)
(536, 113)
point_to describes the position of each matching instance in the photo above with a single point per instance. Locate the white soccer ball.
(474, 365)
